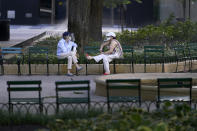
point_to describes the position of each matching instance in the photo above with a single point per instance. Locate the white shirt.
(65, 47)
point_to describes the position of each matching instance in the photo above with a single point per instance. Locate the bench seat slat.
(24, 100)
(23, 82)
(72, 100)
(123, 87)
(71, 88)
(123, 98)
(71, 82)
(24, 89)
(175, 86)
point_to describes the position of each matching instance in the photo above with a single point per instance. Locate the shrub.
(179, 117)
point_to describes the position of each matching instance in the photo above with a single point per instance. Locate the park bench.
(176, 84)
(123, 84)
(154, 54)
(24, 86)
(180, 55)
(11, 55)
(192, 54)
(73, 86)
(38, 54)
(127, 50)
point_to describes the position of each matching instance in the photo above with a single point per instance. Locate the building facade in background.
(134, 15)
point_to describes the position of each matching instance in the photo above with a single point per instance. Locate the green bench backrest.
(179, 50)
(24, 86)
(38, 50)
(82, 85)
(127, 49)
(11, 50)
(174, 82)
(192, 48)
(72, 85)
(154, 49)
(124, 84)
(91, 49)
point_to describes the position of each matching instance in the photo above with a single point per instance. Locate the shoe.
(80, 68)
(69, 74)
(106, 74)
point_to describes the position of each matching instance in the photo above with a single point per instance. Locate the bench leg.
(29, 68)
(41, 108)
(177, 64)
(57, 108)
(114, 63)
(2, 69)
(19, 69)
(163, 67)
(132, 66)
(10, 108)
(144, 66)
(86, 68)
(58, 68)
(47, 68)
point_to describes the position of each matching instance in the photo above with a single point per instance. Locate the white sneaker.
(80, 68)
(69, 74)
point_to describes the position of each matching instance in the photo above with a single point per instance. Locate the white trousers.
(71, 56)
(106, 59)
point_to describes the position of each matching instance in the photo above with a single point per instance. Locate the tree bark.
(78, 21)
(95, 25)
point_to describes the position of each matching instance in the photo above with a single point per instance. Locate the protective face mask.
(107, 38)
(69, 38)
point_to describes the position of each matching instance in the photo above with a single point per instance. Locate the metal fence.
(50, 108)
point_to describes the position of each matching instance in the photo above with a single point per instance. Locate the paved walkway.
(48, 86)
(48, 83)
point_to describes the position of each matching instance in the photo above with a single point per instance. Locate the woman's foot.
(88, 57)
(69, 74)
(79, 68)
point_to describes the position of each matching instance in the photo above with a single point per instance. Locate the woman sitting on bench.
(67, 49)
(115, 51)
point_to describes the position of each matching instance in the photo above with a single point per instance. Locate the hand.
(100, 50)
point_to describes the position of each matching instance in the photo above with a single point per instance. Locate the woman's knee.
(69, 57)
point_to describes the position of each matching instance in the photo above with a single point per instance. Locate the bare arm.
(111, 49)
(103, 44)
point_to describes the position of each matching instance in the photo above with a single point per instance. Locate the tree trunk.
(95, 25)
(184, 9)
(78, 21)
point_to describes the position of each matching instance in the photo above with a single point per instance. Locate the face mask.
(69, 38)
(108, 38)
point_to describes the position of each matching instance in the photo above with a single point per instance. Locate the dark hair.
(65, 34)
